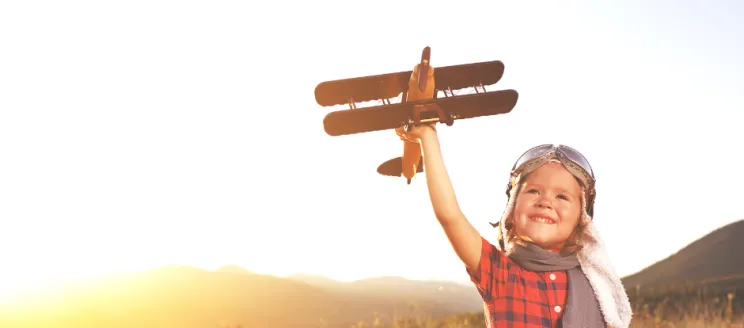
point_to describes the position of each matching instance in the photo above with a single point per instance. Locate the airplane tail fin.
(394, 167)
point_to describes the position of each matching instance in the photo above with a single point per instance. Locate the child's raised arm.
(465, 240)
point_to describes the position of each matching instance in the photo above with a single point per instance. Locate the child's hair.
(578, 237)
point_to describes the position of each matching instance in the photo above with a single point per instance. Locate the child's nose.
(544, 202)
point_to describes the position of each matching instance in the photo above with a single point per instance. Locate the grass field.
(706, 303)
(710, 303)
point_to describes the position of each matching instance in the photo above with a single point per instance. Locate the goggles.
(572, 159)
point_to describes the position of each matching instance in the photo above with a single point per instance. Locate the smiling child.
(549, 267)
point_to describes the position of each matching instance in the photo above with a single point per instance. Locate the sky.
(140, 134)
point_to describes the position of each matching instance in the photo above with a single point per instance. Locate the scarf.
(582, 308)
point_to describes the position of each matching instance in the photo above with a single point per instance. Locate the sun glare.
(18, 285)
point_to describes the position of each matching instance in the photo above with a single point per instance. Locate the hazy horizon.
(146, 134)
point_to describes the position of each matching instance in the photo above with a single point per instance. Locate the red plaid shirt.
(515, 297)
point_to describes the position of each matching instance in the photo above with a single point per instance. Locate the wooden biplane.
(419, 103)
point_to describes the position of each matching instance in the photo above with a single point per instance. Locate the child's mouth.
(542, 219)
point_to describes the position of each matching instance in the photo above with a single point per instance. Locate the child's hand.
(418, 133)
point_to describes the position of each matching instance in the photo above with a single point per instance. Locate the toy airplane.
(419, 103)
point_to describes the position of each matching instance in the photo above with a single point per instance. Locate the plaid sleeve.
(491, 268)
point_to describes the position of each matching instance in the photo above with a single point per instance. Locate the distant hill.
(441, 298)
(233, 269)
(316, 280)
(392, 284)
(716, 259)
(180, 296)
(190, 297)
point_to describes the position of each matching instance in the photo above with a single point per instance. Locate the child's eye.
(531, 190)
(561, 196)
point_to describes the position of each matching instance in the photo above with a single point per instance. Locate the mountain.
(180, 296)
(716, 257)
(391, 284)
(437, 297)
(316, 280)
(231, 296)
(190, 297)
(230, 268)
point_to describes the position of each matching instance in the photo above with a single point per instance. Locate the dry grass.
(699, 309)
(692, 309)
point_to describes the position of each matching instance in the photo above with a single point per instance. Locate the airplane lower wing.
(386, 117)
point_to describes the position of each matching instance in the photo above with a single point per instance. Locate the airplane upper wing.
(368, 88)
(468, 75)
(361, 89)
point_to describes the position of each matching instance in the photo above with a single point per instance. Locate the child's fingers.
(400, 132)
(404, 137)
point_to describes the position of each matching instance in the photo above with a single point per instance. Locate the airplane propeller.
(424, 68)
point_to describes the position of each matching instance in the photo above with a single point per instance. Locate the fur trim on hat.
(594, 260)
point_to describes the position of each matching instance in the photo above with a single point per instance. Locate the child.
(549, 268)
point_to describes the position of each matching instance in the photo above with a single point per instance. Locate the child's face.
(548, 206)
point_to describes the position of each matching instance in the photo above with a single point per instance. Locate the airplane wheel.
(450, 120)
